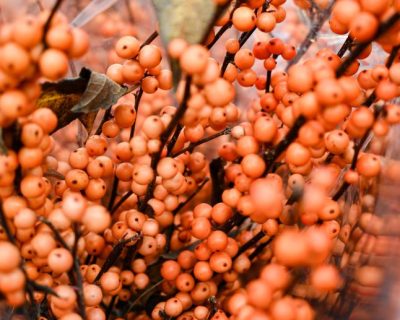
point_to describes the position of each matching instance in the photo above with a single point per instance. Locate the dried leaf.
(101, 93)
(3, 148)
(63, 95)
(187, 19)
(80, 98)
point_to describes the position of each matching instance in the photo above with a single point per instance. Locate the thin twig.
(321, 17)
(129, 306)
(47, 25)
(76, 266)
(40, 5)
(250, 243)
(138, 97)
(121, 201)
(218, 13)
(269, 77)
(182, 204)
(193, 145)
(114, 191)
(392, 56)
(114, 255)
(229, 57)
(106, 117)
(171, 144)
(111, 306)
(357, 150)
(217, 178)
(219, 34)
(4, 224)
(150, 39)
(78, 275)
(226, 26)
(271, 156)
(260, 248)
(56, 233)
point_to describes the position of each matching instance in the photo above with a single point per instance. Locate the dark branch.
(383, 28)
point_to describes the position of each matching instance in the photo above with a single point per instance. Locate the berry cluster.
(143, 221)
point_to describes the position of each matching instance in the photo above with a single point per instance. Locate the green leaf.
(186, 19)
(80, 98)
(3, 148)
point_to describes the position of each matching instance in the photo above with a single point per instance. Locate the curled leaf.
(80, 98)
(101, 93)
